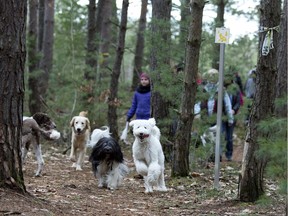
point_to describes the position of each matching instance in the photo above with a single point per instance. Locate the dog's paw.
(112, 187)
(71, 158)
(148, 191)
(38, 174)
(163, 189)
(78, 168)
(73, 165)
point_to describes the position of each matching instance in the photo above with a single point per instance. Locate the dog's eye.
(76, 122)
(82, 123)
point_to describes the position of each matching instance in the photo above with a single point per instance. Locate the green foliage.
(273, 146)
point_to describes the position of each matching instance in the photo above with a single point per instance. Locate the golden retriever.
(80, 138)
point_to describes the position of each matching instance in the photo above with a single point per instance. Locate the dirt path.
(63, 191)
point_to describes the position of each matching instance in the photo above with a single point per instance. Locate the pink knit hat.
(144, 75)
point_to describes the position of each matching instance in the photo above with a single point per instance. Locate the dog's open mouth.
(143, 136)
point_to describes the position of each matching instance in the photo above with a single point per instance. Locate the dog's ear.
(72, 122)
(152, 122)
(88, 124)
(131, 123)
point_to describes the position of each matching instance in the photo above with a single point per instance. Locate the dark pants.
(228, 129)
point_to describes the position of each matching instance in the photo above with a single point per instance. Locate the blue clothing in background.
(140, 104)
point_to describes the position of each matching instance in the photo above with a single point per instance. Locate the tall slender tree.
(160, 52)
(91, 57)
(113, 100)
(106, 35)
(140, 42)
(33, 58)
(253, 166)
(180, 163)
(281, 89)
(12, 58)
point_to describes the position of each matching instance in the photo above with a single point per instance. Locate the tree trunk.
(281, 87)
(93, 52)
(184, 23)
(139, 51)
(12, 58)
(33, 60)
(113, 100)
(91, 57)
(41, 15)
(180, 163)
(106, 35)
(160, 58)
(252, 174)
(47, 60)
(219, 22)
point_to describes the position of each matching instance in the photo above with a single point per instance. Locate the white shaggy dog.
(107, 159)
(148, 154)
(80, 137)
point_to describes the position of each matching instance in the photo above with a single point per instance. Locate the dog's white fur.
(148, 154)
(97, 134)
(110, 173)
(80, 137)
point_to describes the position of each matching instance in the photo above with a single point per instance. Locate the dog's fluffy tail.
(97, 134)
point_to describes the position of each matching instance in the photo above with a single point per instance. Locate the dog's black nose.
(141, 134)
(78, 130)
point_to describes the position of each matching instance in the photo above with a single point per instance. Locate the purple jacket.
(140, 104)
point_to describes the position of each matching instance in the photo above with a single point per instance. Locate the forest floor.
(63, 191)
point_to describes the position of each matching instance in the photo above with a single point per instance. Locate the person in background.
(141, 100)
(211, 87)
(237, 80)
(250, 86)
(234, 93)
(210, 82)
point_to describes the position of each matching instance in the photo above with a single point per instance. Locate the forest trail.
(63, 191)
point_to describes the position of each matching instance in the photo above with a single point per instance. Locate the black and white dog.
(107, 160)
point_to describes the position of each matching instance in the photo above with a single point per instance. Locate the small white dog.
(107, 159)
(148, 154)
(80, 137)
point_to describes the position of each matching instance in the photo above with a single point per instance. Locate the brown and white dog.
(80, 137)
(32, 129)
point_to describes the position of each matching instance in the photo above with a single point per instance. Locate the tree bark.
(252, 174)
(91, 57)
(180, 163)
(160, 58)
(47, 60)
(12, 58)
(33, 59)
(113, 100)
(106, 35)
(281, 89)
(139, 50)
(184, 22)
(41, 16)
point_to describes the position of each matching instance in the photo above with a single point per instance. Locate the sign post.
(222, 37)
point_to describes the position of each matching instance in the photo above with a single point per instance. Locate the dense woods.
(89, 58)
